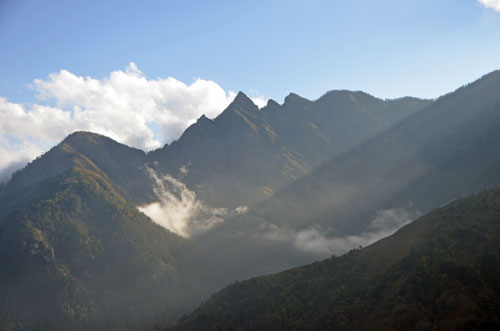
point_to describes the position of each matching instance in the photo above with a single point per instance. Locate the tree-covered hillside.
(278, 187)
(439, 273)
(79, 256)
(443, 152)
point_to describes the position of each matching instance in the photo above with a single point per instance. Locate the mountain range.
(444, 151)
(250, 192)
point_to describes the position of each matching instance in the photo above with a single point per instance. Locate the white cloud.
(27, 133)
(241, 210)
(39, 122)
(493, 4)
(125, 106)
(259, 101)
(314, 240)
(178, 209)
(15, 155)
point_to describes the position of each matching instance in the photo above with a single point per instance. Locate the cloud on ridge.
(125, 106)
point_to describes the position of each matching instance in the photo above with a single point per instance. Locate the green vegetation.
(445, 151)
(82, 257)
(447, 280)
(75, 253)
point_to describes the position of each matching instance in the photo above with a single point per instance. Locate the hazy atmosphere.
(250, 165)
(141, 73)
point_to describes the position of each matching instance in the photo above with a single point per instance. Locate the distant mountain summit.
(263, 150)
(123, 165)
(270, 187)
(447, 150)
(440, 153)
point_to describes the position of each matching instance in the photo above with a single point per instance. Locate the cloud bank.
(125, 106)
(493, 4)
(315, 241)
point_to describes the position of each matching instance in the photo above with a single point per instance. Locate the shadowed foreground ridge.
(439, 273)
(76, 253)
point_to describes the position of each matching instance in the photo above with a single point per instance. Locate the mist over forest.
(250, 165)
(96, 234)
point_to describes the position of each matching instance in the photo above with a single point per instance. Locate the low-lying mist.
(179, 210)
(315, 239)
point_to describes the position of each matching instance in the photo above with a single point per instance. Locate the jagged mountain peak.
(272, 103)
(241, 96)
(196, 131)
(271, 106)
(241, 111)
(331, 164)
(244, 102)
(204, 120)
(294, 99)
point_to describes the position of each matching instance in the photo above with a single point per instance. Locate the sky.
(142, 71)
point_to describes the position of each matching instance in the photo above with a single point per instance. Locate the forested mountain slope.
(287, 182)
(77, 255)
(440, 272)
(124, 166)
(75, 251)
(443, 152)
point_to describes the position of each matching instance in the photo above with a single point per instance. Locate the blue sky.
(142, 71)
(269, 48)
